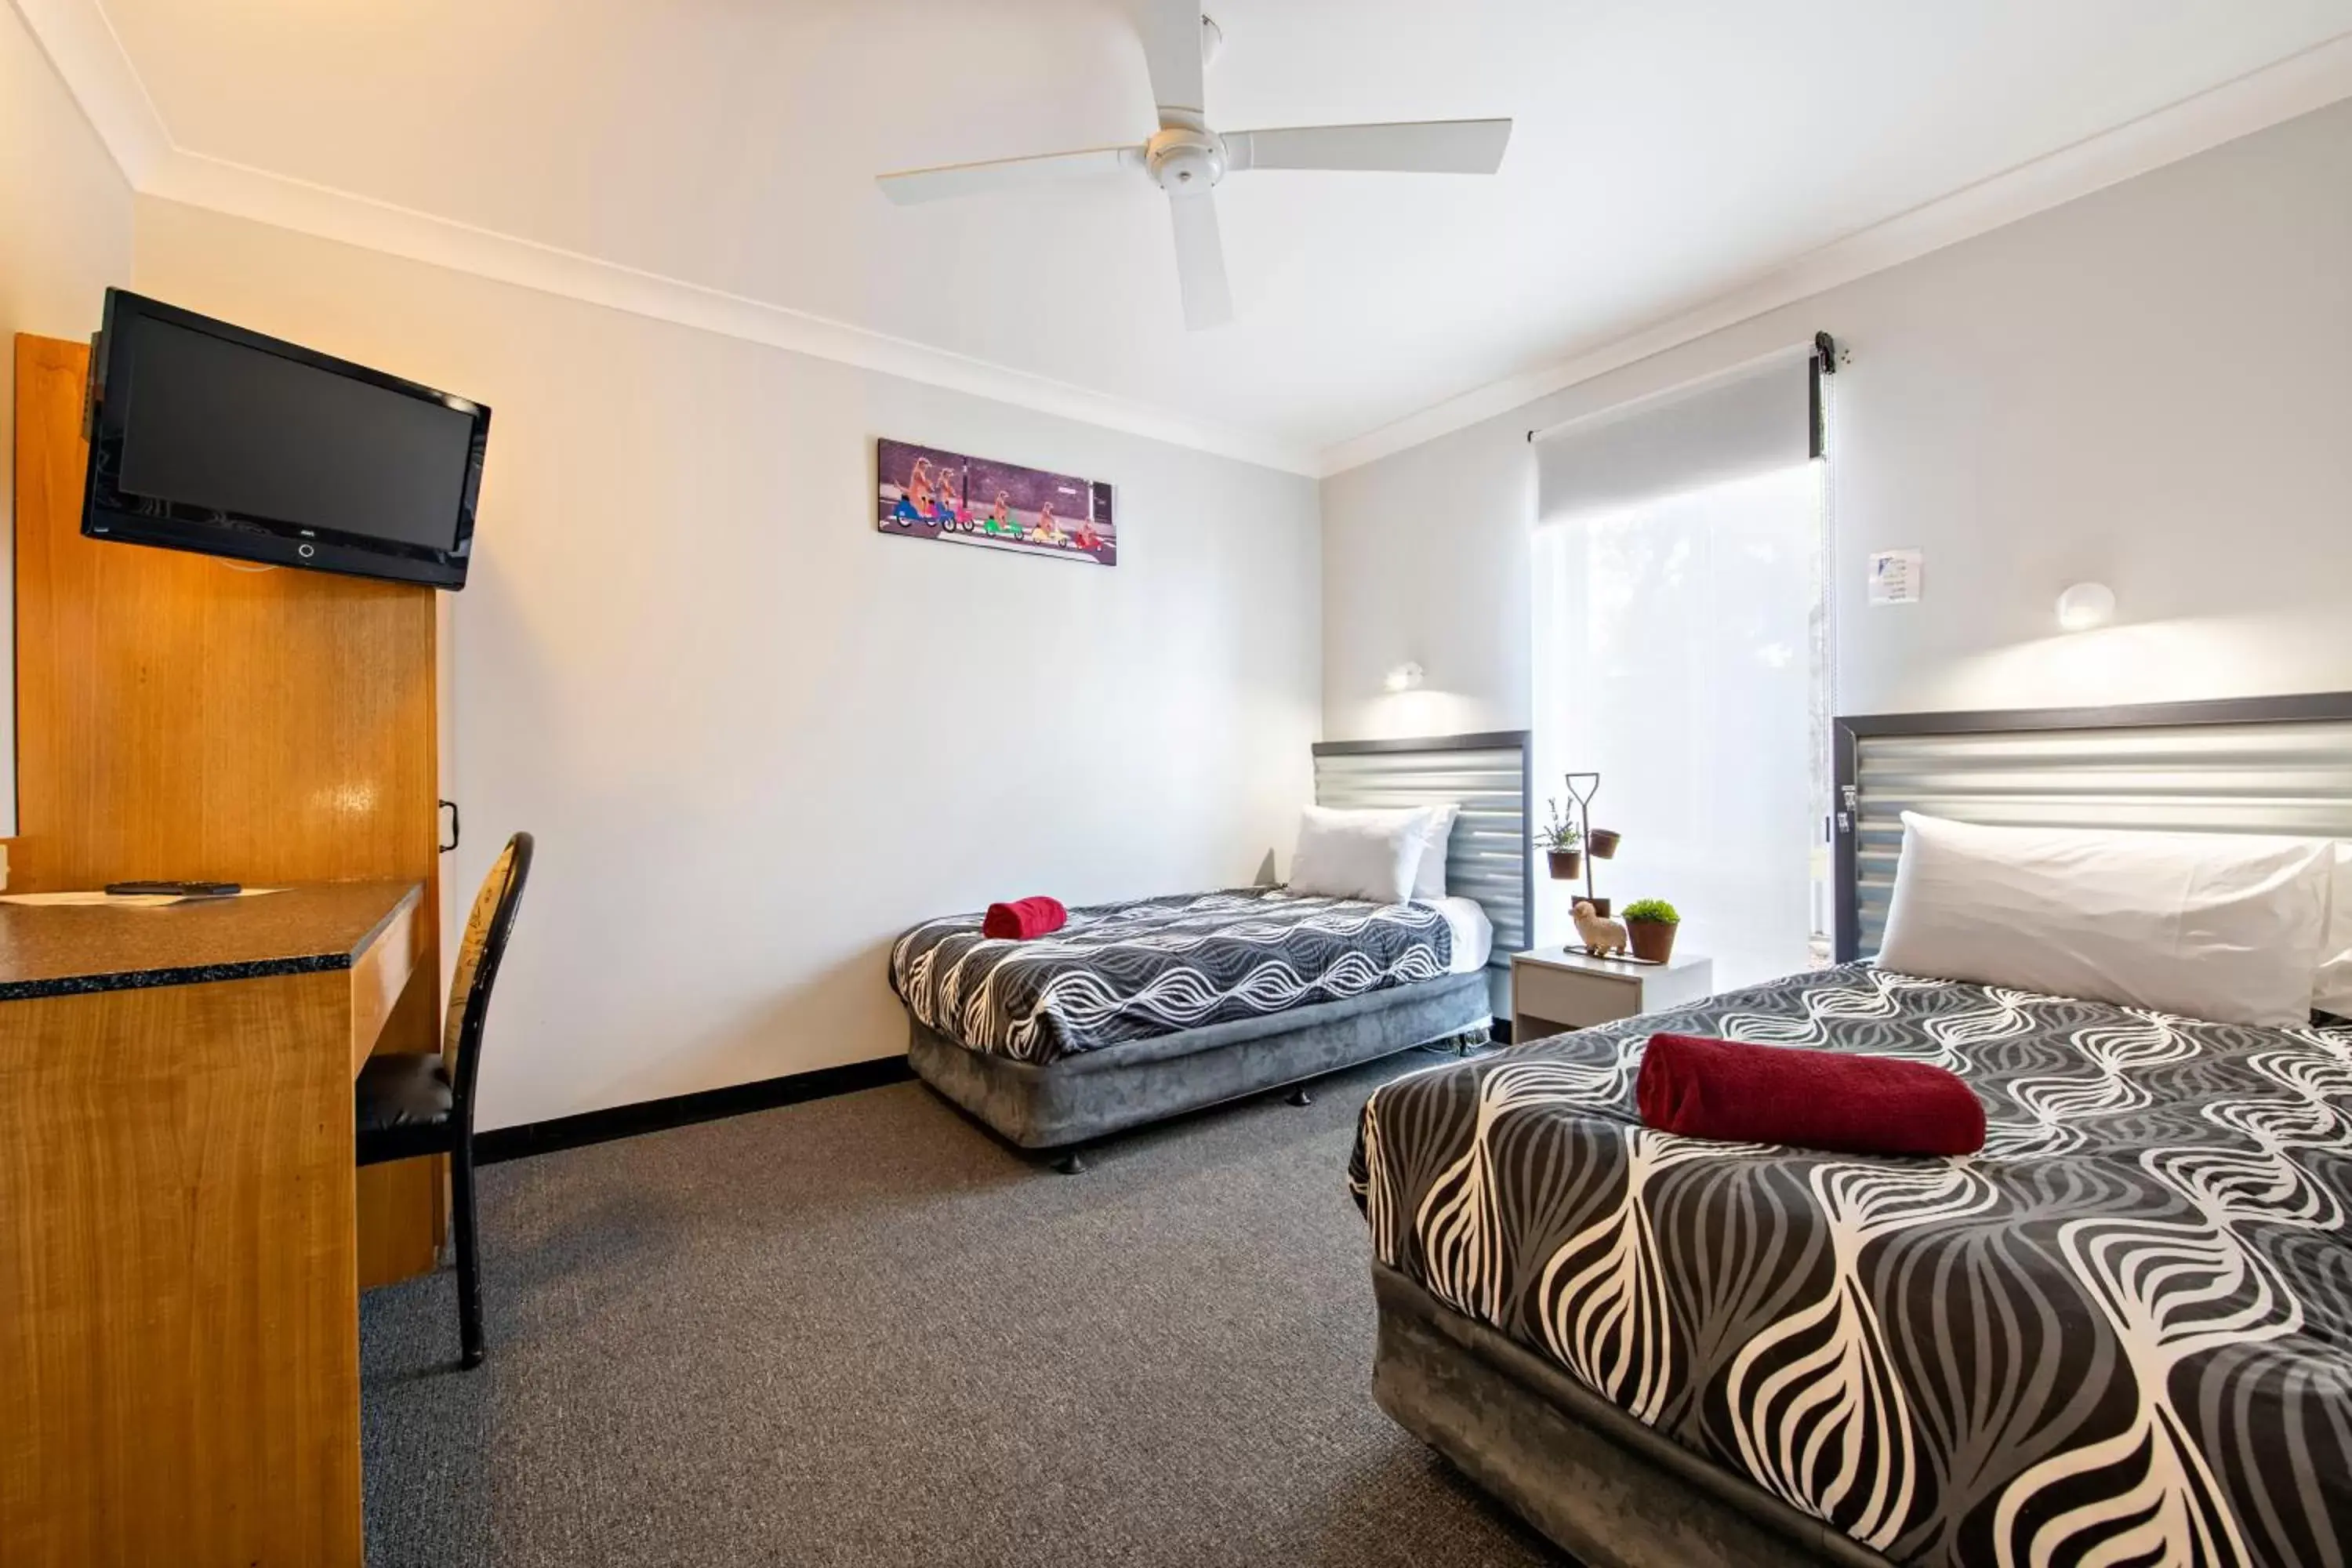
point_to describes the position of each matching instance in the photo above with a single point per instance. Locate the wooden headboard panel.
(1489, 858)
(2273, 764)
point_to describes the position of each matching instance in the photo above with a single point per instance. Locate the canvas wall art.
(926, 493)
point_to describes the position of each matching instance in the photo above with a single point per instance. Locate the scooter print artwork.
(923, 493)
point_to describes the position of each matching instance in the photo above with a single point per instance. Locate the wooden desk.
(178, 719)
(179, 1294)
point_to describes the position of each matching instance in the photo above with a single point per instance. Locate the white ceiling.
(1666, 152)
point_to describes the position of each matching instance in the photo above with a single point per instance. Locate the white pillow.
(2333, 993)
(1359, 854)
(1429, 881)
(2206, 925)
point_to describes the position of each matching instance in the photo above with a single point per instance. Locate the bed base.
(1053, 1105)
(1602, 1486)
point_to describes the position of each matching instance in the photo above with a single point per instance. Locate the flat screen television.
(208, 438)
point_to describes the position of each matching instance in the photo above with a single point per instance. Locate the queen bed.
(2121, 1333)
(1149, 1008)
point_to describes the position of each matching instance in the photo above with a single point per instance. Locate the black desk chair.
(421, 1102)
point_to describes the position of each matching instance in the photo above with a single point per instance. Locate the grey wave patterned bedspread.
(1153, 966)
(2121, 1334)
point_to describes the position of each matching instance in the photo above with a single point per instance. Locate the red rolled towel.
(1817, 1099)
(1024, 918)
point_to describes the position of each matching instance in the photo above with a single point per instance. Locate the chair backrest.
(487, 928)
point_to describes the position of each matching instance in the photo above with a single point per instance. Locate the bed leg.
(1300, 1097)
(1070, 1164)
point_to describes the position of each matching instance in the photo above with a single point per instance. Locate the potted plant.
(1651, 924)
(1563, 846)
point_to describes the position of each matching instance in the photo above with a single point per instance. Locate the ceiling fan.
(1187, 159)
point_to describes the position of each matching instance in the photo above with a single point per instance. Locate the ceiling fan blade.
(1412, 147)
(1006, 174)
(1171, 48)
(1201, 262)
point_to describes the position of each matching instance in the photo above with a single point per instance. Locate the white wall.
(65, 235)
(756, 738)
(2150, 387)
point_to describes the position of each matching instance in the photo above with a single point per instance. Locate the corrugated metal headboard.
(1488, 859)
(2273, 765)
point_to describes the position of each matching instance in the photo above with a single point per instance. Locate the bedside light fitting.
(2085, 606)
(1404, 678)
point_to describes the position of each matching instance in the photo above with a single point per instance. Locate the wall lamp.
(1405, 676)
(2085, 606)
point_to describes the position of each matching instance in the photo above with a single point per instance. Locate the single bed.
(1152, 1007)
(2121, 1333)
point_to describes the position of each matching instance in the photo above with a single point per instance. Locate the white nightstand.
(1554, 990)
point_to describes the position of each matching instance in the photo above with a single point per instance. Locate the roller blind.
(1756, 421)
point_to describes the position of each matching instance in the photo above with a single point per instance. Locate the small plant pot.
(1566, 864)
(1653, 940)
(1602, 843)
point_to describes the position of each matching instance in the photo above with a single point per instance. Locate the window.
(1681, 650)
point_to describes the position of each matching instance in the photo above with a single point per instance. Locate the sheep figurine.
(1602, 936)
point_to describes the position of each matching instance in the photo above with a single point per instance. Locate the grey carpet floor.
(861, 1332)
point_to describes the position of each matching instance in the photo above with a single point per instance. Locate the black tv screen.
(208, 438)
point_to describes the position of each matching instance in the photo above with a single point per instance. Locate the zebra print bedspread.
(2122, 1334)
(1152, 966)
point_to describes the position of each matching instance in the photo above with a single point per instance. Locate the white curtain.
(1680, 651)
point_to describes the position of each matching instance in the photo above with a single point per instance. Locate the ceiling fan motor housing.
(1185, 161)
